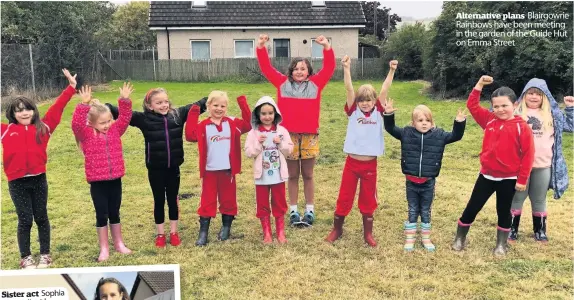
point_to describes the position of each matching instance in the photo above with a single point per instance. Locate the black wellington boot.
(514, 228)
(225, 231)
(203, 231)
(539, 225)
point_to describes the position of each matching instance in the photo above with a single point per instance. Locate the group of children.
(283, 141)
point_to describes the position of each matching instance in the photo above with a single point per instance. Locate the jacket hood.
(261, 101)
(541, 85)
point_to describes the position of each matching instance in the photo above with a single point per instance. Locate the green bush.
(407, 46)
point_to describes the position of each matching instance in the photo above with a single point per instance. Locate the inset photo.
(154, 282)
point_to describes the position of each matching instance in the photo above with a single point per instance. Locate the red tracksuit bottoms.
(354, 170)
(278, 200)
(218, 185)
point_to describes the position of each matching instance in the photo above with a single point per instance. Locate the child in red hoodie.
(24, 142)
(506, 161)
(299, 99)
(100, 141)
(219, 143)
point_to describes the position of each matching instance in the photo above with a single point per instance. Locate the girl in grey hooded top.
(538, 108)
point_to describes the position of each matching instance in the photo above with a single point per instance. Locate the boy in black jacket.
(422, 148)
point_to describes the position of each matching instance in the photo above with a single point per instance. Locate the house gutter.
(253, 27)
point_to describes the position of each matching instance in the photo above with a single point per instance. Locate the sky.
(415, 9)
(87, 282)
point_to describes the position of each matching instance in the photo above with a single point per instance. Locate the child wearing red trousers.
(268, 143)
(363, 144)
(219, 143)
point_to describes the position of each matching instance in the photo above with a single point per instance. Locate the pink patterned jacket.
(103, 155)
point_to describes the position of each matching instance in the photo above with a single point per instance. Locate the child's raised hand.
(263, 38)
(485, 80)
(346, 61)
(569, 101)
(389, 109)
(85, 94)
(195, 108)
(276, 139)
(126, 90)
(71, 79)
(393, 64)
(520, 187)
(262, 138)
(321, 40)
(460, 115)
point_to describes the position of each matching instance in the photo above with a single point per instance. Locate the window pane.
(316, 50)
(281, 47)
(200, 50)
(282, 43)
(281, 52)
(243, 49)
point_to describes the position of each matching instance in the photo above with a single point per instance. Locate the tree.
(128, 28)
(62, 34)
(407, 46)
(454, 69)
(382, 20)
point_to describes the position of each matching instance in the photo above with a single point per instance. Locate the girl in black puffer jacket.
(162, 127)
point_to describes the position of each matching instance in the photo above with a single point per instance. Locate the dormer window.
(318, 3)
(198, 4)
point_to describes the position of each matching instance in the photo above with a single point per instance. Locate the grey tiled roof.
(158, 281)
(255, 13)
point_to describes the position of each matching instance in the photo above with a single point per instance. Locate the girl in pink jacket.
(100, 141)
(268, 143)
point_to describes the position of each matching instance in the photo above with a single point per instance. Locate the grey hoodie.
(562, 122)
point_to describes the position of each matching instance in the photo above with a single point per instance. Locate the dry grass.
(307, 267)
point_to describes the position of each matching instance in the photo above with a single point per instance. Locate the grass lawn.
(307, 267)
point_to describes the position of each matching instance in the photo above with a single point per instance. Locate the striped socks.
(425, 235)
(410, 235)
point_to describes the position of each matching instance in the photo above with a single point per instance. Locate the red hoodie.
(22, 155)
(300, 104)
(507, 146)
(195, 132)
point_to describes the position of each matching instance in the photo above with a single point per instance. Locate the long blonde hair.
(425, 111)
(545, 110)
(96, 110)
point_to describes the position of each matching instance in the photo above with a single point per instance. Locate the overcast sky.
(415, 9)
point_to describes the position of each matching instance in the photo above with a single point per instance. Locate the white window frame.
(191, 48)
(288, 48)
(318, 3)
(313, 42)
(198, 4)
(252, 48)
